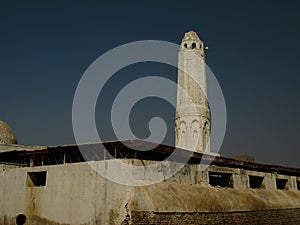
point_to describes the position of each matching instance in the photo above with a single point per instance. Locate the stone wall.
(265, 217)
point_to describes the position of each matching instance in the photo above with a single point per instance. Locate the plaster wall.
(75, 194)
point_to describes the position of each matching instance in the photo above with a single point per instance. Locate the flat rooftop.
(20, 155)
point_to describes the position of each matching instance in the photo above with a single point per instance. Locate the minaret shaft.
(192, 113)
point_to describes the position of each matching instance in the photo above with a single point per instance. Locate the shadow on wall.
(21, 219)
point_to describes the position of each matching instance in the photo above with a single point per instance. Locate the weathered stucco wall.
(75, 194)
(173, 197)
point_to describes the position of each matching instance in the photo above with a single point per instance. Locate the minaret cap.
(191, 41)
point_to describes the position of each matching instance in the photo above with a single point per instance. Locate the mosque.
(185, 184)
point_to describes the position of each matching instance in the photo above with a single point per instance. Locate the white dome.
(7, 135)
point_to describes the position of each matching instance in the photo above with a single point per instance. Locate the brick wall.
(274, 217)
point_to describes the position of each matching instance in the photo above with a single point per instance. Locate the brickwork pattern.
(274, 217)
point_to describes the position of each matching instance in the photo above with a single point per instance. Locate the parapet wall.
(215, 175)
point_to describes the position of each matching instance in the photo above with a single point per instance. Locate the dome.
(191, 36)
(7, 135)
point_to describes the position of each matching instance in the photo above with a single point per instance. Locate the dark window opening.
(193, 46)
(220, 179)
(185, 45)
(255, 181)
(298, 184)
(36, 179)
(281, 184)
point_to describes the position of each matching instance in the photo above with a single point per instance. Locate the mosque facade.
(60, 185)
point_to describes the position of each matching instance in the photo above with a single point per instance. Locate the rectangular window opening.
(220, 179)
(298, 185)
(255, 181)
(281, 184)
(36, 179)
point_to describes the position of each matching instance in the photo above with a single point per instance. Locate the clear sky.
(253, 50)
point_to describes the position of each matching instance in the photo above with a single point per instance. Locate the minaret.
(192, 113)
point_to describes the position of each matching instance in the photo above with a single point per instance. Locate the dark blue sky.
(253, 51)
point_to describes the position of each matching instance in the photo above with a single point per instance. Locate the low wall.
(265, 217)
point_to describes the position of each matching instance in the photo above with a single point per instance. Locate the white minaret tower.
(192, 113)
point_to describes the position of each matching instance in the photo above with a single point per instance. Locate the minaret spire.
(192, 113)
